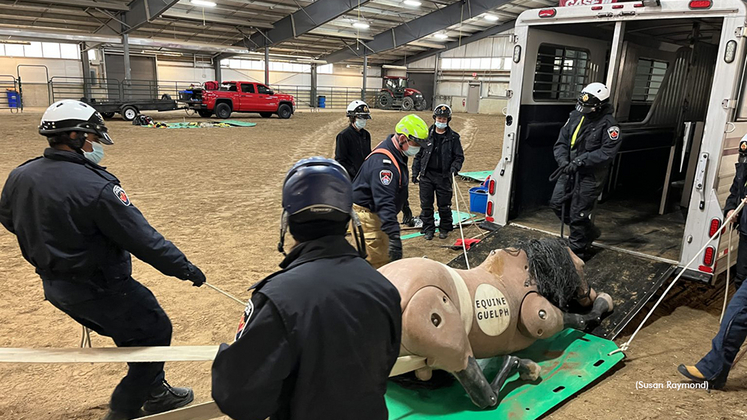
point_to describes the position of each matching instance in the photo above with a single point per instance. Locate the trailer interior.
(660, 97)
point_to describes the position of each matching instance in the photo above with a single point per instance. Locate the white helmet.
(592, 97)
(70, 115)
(359, 109)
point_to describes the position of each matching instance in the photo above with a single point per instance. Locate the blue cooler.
(478, 199)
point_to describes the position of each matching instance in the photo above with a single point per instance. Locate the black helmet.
(442, 110)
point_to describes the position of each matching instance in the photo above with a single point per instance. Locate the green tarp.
(477, 176)
(570, 361)
(456, 216)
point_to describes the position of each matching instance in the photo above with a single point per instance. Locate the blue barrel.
(12, 98)
(322, 101)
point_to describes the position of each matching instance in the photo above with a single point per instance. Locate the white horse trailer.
(675, 69)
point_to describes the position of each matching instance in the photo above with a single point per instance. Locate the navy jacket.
(597, 142)
(351, 149)
(317, 340)
(74, 222)
(737, 192)
(378, 188)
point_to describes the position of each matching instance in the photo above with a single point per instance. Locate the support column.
(435, 81)
(615, 53)
(126, 45)
(267, 66)
(313, 101)
(365, 78)
(217, 69)
(125, 86)
(86, 71)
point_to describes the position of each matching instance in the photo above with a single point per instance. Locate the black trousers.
(131, 316)
(440, 186)
(579, 200)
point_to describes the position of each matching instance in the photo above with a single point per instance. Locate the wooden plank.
(210, 410)
(204, 411)
(109, 354)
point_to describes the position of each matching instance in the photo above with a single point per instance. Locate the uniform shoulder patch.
(385, 176)
(121, 195)
(245, 316)
(613, 132)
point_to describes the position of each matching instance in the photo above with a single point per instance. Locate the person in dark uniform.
(318, 339)
(587, 145)
(433, 168)
(715, 366)
(77, 226)
(380, 189)
(353, 143)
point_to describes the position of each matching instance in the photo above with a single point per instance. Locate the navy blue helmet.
(317, 188)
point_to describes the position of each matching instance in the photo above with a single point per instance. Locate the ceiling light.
(203, 3)
(413, 3)
(491, 18)
(360, 25)
(441, 36)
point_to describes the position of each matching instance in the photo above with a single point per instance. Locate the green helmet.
(414, 128)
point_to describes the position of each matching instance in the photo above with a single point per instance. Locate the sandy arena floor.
(215, 194)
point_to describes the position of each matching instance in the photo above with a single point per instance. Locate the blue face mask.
(97, 154)
(360, 123)
(441, 126)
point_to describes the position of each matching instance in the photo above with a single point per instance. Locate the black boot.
(165, 398)
(428, 235)
(443, 234)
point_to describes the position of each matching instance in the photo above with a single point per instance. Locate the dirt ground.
(215, 194)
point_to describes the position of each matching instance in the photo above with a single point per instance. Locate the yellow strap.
(575, 133)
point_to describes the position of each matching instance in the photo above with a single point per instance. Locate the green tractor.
(396, 95)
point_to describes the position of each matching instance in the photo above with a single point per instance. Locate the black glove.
(571, 168)
(395, 247)
(195, 275)
(454, 171)
(407, 218)
(415, 180)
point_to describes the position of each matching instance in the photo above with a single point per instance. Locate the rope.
(459, 219)
(728, 271)
(243, 303)
(626, 345)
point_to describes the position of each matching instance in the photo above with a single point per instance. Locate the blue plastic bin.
(322, 101)
(478, 199)
(12, 98)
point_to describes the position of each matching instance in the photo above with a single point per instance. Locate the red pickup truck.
(228, 97)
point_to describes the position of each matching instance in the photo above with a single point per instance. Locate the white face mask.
(360, 123)
(412, 151)
(97, 154)
(441, 125)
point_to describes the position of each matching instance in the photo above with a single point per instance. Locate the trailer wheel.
(285, 111)
(128, 112)
(266, 114)
(205, 113)
(107, 115)
(223, 110)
